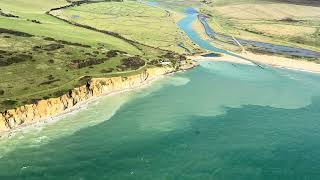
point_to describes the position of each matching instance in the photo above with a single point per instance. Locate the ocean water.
(218, 121)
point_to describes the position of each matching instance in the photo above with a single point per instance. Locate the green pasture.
(136, 21)
(44, 63)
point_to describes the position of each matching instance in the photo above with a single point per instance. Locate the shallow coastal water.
(218, 121)
(186, 25)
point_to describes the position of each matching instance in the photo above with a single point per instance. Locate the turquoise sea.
(218, 121)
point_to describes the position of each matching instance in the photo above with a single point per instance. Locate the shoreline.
(134, 83)
(78, 107)
(256, 59)
(269, 60)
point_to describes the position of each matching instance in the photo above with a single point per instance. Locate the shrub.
(16, 33)
(49, 39)
(154, 62)
(49, 82)
(3, 52)
(169, 55)
(84, 80)
(112, 53)
(59, 93)
(15, 59)
(9, 102)
(52, 47)
(133, 62)
(30, 101)
(35, 21)
(7, 14)
(290, 20)
(50, 77)
(85, 63)
(1, 92)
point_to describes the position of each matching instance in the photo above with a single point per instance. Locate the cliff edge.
(44, 109)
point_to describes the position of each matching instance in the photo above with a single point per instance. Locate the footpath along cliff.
(44, 109)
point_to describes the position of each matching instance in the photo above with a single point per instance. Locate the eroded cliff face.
(43, 109)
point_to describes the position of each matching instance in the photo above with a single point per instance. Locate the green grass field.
(290, 24)
(136, 21)
(52, 27)
(42, 56)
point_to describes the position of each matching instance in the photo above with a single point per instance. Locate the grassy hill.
(136, 21)
(42, 56)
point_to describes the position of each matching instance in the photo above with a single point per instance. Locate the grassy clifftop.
(42, 56)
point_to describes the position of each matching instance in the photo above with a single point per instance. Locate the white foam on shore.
(85, 114)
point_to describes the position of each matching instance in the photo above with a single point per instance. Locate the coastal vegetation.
(133, 20)
(43, 56)
(291, 23)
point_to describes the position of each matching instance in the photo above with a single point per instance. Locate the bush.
(15, 59)
(49, 39)
(154, 62)
(50, 77)
(59, 93)
(84, 80)
(9, 102)
(49, 82)
(133, 62)
(169, 55)
(16, 33)
(66, 42)
(35, 21)
(3, 52)
(112, 53)
(1, 92)
(290, 20)
(7, 14)
(52, 47)
(85, 63)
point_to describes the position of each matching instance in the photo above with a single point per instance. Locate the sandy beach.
(76, 108)
(275, 61)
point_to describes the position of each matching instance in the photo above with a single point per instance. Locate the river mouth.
(261, 47)
(218, 121)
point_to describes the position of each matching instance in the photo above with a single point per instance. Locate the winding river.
(218, 121)
(192, 15)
